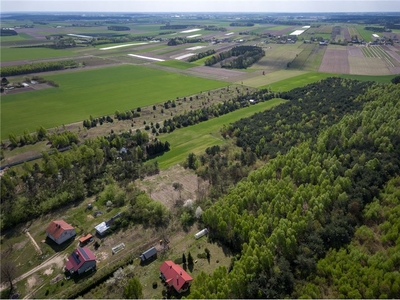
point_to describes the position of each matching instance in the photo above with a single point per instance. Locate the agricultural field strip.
(377, 51)
(120, 46)
(146, 57)
(197, 138)
(184, 56)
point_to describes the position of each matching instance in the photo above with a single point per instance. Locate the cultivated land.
(112, 81)
(97, 93)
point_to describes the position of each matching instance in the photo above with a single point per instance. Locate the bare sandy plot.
(368, 66)
(335, 61)
(146, 57)
(355, 51)
(184, 56)
(124, 45)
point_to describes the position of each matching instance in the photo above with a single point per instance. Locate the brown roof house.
(80, 261)
(60, 231)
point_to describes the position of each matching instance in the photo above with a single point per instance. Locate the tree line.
(181, 40)
(201, 55)
(118, 28)
(84, 170)
(287, 215)
(245, 57)
(38, 67)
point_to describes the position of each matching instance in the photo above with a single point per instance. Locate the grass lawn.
(95, 92)
(177, 64)
(10, 54)
(297, 81)
(15, 38)
(200, 136)
(365, 34)
(269, 78)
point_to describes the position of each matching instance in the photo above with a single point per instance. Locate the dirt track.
(55, 259)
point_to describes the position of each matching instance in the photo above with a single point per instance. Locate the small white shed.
(201, 233)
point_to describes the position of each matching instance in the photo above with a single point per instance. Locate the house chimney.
(181, 273)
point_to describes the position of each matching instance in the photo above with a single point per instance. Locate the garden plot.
(335, 61)
(355, 51)
(368, 66)
(379, 52)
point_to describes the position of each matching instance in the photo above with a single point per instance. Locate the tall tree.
(133, 289)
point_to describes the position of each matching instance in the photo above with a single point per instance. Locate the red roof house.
(60, 231)
(175, 276)
(80, 261)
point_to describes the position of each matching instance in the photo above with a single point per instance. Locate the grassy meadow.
(177, 64)
(97, 93)
(11, 54)
(198, 137)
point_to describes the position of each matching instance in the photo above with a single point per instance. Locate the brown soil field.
(335, 61)
(368, 66)
(355, 51)
(394, 70)
(346, 33)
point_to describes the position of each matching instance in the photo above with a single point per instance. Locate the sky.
(199, 6)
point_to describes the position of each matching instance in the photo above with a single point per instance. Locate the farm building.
(60, 231)
(201, 233)
(174, 276)
(149, 254)
(81, 260)
(85, 239)
(102, 228)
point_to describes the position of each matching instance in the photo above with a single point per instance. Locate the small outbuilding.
(149, 254)
(102, 228)
(85, 240)
(60, 231)
(201, 233)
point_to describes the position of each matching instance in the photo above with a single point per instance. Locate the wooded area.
(287, 215)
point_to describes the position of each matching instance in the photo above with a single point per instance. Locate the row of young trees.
(57, 139)
(286, 215)
(83, 171)
(38, 67)
(246, 55)
(201, 55)
(181, 40)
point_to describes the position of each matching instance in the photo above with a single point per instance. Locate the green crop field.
(200, 136)
(177, 64)
(267, 79)
(10, 54)
(300, 60)
(365, 34)
(15, 38)
(304, 79)
(97, 93)
(298, 81)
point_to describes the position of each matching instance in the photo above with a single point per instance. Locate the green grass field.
(10, 54)
(177, 64)
(15, 38)
(304, 79)
(365, 34)
(200, 136)
(97, 93)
